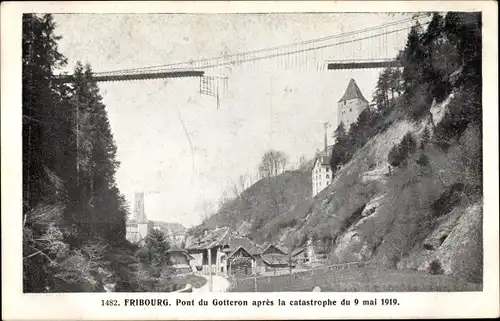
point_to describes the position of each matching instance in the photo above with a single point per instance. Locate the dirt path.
(220, 284)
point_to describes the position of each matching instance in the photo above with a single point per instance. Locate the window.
(345, 102)
(350, 109)
(327, 177)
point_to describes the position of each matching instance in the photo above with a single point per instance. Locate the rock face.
(353, 245)
(456, 244)
(450, 243)
(410, 216)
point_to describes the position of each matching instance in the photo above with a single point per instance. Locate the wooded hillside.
(73, 213)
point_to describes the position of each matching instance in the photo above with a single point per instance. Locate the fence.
(276, 283)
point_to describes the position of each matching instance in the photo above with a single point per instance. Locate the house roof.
(272, 245)
(176, 249)
(242, 248)
(275, 258)
(323, 157)
(352, 92)
(298, 251)
(225, 237)
(324, 160)
(244, 228)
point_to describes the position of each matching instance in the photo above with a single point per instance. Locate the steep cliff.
(408, 193)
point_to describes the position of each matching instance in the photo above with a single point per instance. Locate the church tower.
(140, 215)
(350, 105)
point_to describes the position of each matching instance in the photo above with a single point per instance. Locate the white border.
(17, 305)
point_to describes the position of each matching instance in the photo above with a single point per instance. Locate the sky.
(266, 105)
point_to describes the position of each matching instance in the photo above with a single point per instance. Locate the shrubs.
(408, 144)
(399, 154)
(426, 136)
(423, 160)
(435, 268)
(395, 157)
(464, 108)
(450, 198)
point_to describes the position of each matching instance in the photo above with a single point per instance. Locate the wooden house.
(272, 258)
(212, 251)
(241, 262)
(300, 256)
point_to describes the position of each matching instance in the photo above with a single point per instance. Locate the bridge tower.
(350, 105)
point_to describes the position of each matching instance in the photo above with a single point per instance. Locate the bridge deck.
(363, 64)
(141, 76)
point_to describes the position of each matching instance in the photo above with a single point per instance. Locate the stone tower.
(140, 215)
(350, 105)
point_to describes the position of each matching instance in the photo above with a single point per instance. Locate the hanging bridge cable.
(255, 58)
(327, 46)
(186, 64)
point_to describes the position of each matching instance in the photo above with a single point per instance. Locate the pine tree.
(101, 207)
(42, 108)
(412, 57)
(157, 246)
(45, 165)
(339, 150)
(72, 206)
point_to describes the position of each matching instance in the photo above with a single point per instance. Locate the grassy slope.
(358, 280)
(266, 207)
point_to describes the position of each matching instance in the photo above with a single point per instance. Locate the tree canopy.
(70, 197)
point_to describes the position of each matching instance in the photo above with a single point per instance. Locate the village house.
(321, 175)
(300, 256)
(223, 251)
(241, 262)
(174, 232)
(272, 259)
(216, 250)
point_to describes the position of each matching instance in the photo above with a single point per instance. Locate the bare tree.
(243, 182)
(238, 187)
(207, 208)
(224, 199)
(302, 162)
(235, 189)
(273, 163)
